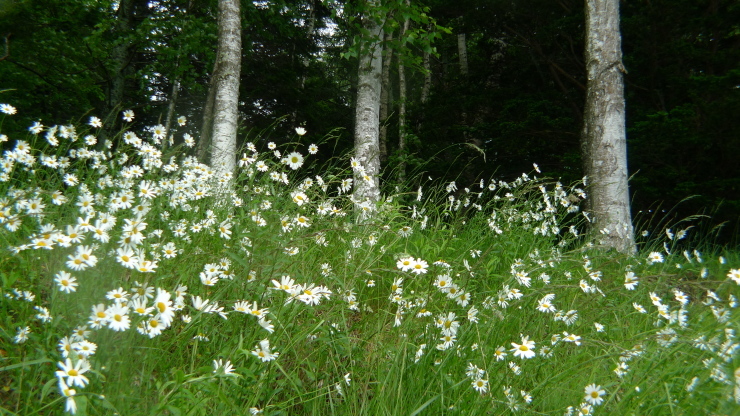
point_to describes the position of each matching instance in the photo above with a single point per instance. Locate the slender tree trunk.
(462, 53)
(206, 130)
(402, 110)
(171, 111)
(385, 98)
(120, 57)
(427, 86)
(367, 115)
(310, 27)
(604, 142)
(226, 100)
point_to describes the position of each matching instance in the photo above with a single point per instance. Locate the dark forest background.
(520, 101)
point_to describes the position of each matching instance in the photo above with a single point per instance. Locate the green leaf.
(174, 410)
(25, 364)
(424, 406)
(47, 388)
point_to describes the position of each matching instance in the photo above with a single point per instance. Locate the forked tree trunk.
(604, 141)
(367, 117)
(226, 99)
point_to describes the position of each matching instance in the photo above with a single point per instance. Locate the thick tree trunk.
(604, 142)
(367, 117)
(385, 98)
(226, 100)
(120, 54)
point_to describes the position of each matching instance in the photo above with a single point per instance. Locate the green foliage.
(390, 15)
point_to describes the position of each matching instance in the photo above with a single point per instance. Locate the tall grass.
(266, 293)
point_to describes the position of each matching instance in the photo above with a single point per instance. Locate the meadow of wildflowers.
(137, 281)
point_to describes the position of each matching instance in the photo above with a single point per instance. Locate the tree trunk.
(120, 57)
(206, 130)
(306, 62)
(425, 89)
(120, 54)
(462, 53)
(367, 117)
(427, 78)
(171, 112)
(385, 98)
(604, 142)
(226, 99)
(402, 110)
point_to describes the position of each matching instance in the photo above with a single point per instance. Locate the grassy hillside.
(136, 282)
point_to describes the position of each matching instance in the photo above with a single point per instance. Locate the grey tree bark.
(226, 97)
(604, 140)
(171, 111)
(462, 52)
(367, 117)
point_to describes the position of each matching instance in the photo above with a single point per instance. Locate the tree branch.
(7, 47)
(33, 71)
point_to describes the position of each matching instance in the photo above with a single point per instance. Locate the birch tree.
(604, 142)
(367, 113)
(225, 81)
(462, 51)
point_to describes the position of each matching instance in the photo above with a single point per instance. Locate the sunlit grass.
(172, 291)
